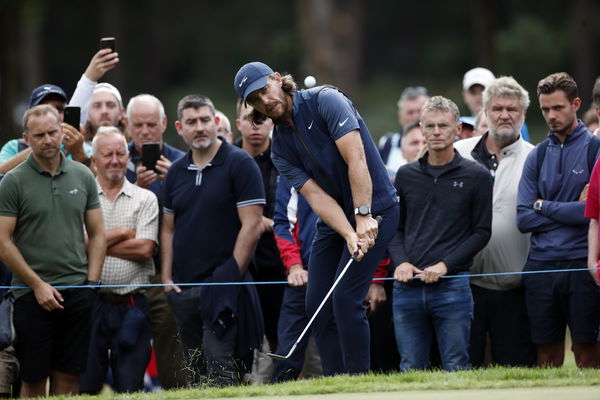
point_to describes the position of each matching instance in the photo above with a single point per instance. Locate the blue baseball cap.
(468, 121)
(251, 77)
(39, 93)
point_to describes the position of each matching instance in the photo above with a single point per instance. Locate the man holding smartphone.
(14, 152)
(146, 123)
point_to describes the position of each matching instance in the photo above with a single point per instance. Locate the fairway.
(547, 393)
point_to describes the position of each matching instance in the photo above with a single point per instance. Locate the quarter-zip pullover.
(559, 231)
(445, 213)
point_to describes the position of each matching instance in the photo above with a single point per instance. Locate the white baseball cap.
(107, 87)
(478, 76)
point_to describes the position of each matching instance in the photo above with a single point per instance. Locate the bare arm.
(593, 249)
(375, 296)
(133, 249)
(298, 276)
(352, 151)
(103, 61)
(14, 161)
(247, 238)
(331, 213)
(47, 297)
(166, 252)
(405, 271)
(117, 235)
(94, 225)
(73, 140)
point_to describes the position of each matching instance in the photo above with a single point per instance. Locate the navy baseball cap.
(40, 93)
(251, 77)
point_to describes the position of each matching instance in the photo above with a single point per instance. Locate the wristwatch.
(537, 206)
(362, 211)
(89, 282)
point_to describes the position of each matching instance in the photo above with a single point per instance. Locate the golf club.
(282, 357)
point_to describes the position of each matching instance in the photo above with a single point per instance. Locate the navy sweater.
(559, 231)
(445, 213)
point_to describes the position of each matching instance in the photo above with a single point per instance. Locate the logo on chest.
(458, 184)
(73, 192)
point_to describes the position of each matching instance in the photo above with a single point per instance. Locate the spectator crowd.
(115, 244)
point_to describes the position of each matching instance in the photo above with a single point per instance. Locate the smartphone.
(72, 116)
(150, 155)
(108, 43)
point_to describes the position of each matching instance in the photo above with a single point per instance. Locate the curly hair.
(287, 84)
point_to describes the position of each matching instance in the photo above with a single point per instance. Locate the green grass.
(492, 378)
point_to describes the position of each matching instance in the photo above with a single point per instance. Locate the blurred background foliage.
(370, 49)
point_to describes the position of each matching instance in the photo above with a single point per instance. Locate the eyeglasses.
(430, 127)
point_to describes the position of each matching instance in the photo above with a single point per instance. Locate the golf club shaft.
(320, 306)
(277, 356)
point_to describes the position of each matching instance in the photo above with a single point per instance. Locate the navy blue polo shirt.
(205, 204)
(171, 153)
(322, 115)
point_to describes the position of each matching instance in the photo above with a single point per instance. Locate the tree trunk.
(331, 33)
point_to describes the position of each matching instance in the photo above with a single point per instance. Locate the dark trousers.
(384, 351)
(127, 363)
(271, 297)
(167, 344)
(341, 329)
(210, 357)
(501, 314)
(292, 321)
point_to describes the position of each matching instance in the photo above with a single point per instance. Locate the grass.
(491, 378)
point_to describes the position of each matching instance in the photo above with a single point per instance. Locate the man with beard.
(212, 221)
(323, 148)
(551, 202)
(15, 151)
(105, 109)
(499, 301)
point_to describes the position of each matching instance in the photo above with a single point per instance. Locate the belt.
(117, 298)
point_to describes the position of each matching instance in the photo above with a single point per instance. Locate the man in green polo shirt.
(44, 205)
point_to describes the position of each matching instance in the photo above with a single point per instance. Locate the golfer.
(324, 149)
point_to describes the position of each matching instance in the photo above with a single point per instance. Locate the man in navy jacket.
(322, 146)
(550, 205)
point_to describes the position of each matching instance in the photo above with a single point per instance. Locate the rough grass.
(491, 378)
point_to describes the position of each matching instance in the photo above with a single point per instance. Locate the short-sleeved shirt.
(50, 212)
(134, 208)
(204, 203)
(321, 116)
